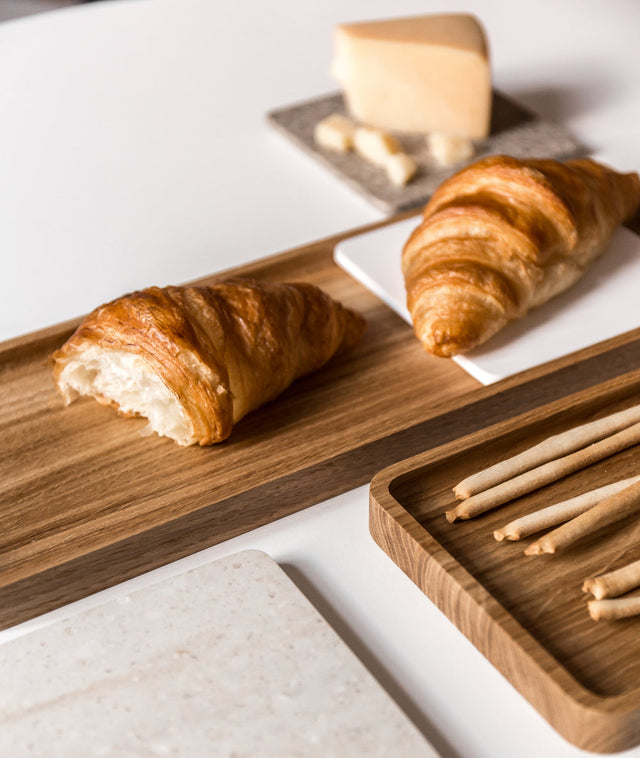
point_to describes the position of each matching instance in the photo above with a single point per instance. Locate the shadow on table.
(371, 663)
(562, 102)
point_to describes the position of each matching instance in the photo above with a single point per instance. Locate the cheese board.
(526, 614)
(87, 501)
(514, 130)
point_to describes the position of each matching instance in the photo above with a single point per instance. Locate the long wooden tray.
(86, 501)
(526, 614)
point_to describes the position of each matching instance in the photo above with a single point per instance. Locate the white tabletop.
(134, 150)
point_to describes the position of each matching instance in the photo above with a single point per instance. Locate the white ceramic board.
(603, 304)
(228, 659)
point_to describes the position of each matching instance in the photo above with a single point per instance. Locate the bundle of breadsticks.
(571, 520)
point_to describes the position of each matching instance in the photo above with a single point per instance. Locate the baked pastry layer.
(503, 236)
(195, 360)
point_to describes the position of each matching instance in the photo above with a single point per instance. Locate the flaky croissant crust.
(223, 349)
(505, 235)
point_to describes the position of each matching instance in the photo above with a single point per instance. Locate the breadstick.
(614, 583)
(606, 512)
(548, 472)
(547, 450)
(560, 512)
(614, 608)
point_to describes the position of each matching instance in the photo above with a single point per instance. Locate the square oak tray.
(526, 614)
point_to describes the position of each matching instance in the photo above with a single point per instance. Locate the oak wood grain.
(88, 502)
(526, 614)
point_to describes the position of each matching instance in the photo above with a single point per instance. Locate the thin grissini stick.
(614, 583)
(548, 472)
(614, 608)
(560, 512)
(547, 450)
(606, 512)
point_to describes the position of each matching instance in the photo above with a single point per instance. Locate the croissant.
(195, 360)
(503, 236)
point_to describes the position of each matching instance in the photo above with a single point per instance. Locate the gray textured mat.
(515, 131)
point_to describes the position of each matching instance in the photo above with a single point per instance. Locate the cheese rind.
(418, 74)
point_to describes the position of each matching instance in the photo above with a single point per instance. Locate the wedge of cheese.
(417, 74)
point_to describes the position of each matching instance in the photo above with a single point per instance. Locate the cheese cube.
(374, 145)
(449, 149)
(400, 168)
(335, 132)
(418, 74)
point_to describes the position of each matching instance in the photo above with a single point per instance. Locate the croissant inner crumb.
(117, 377)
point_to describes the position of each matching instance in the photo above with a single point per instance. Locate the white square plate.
(603, 304)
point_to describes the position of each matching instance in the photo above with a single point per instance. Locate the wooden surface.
(514, 131)
(88, 502)
(526, 614)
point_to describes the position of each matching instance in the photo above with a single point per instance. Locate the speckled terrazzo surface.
(227, 660)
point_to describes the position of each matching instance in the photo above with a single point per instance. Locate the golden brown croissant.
(194, 360)
(504, 235)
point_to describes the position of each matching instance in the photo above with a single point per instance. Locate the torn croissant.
(503, 236)
(195, 360)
